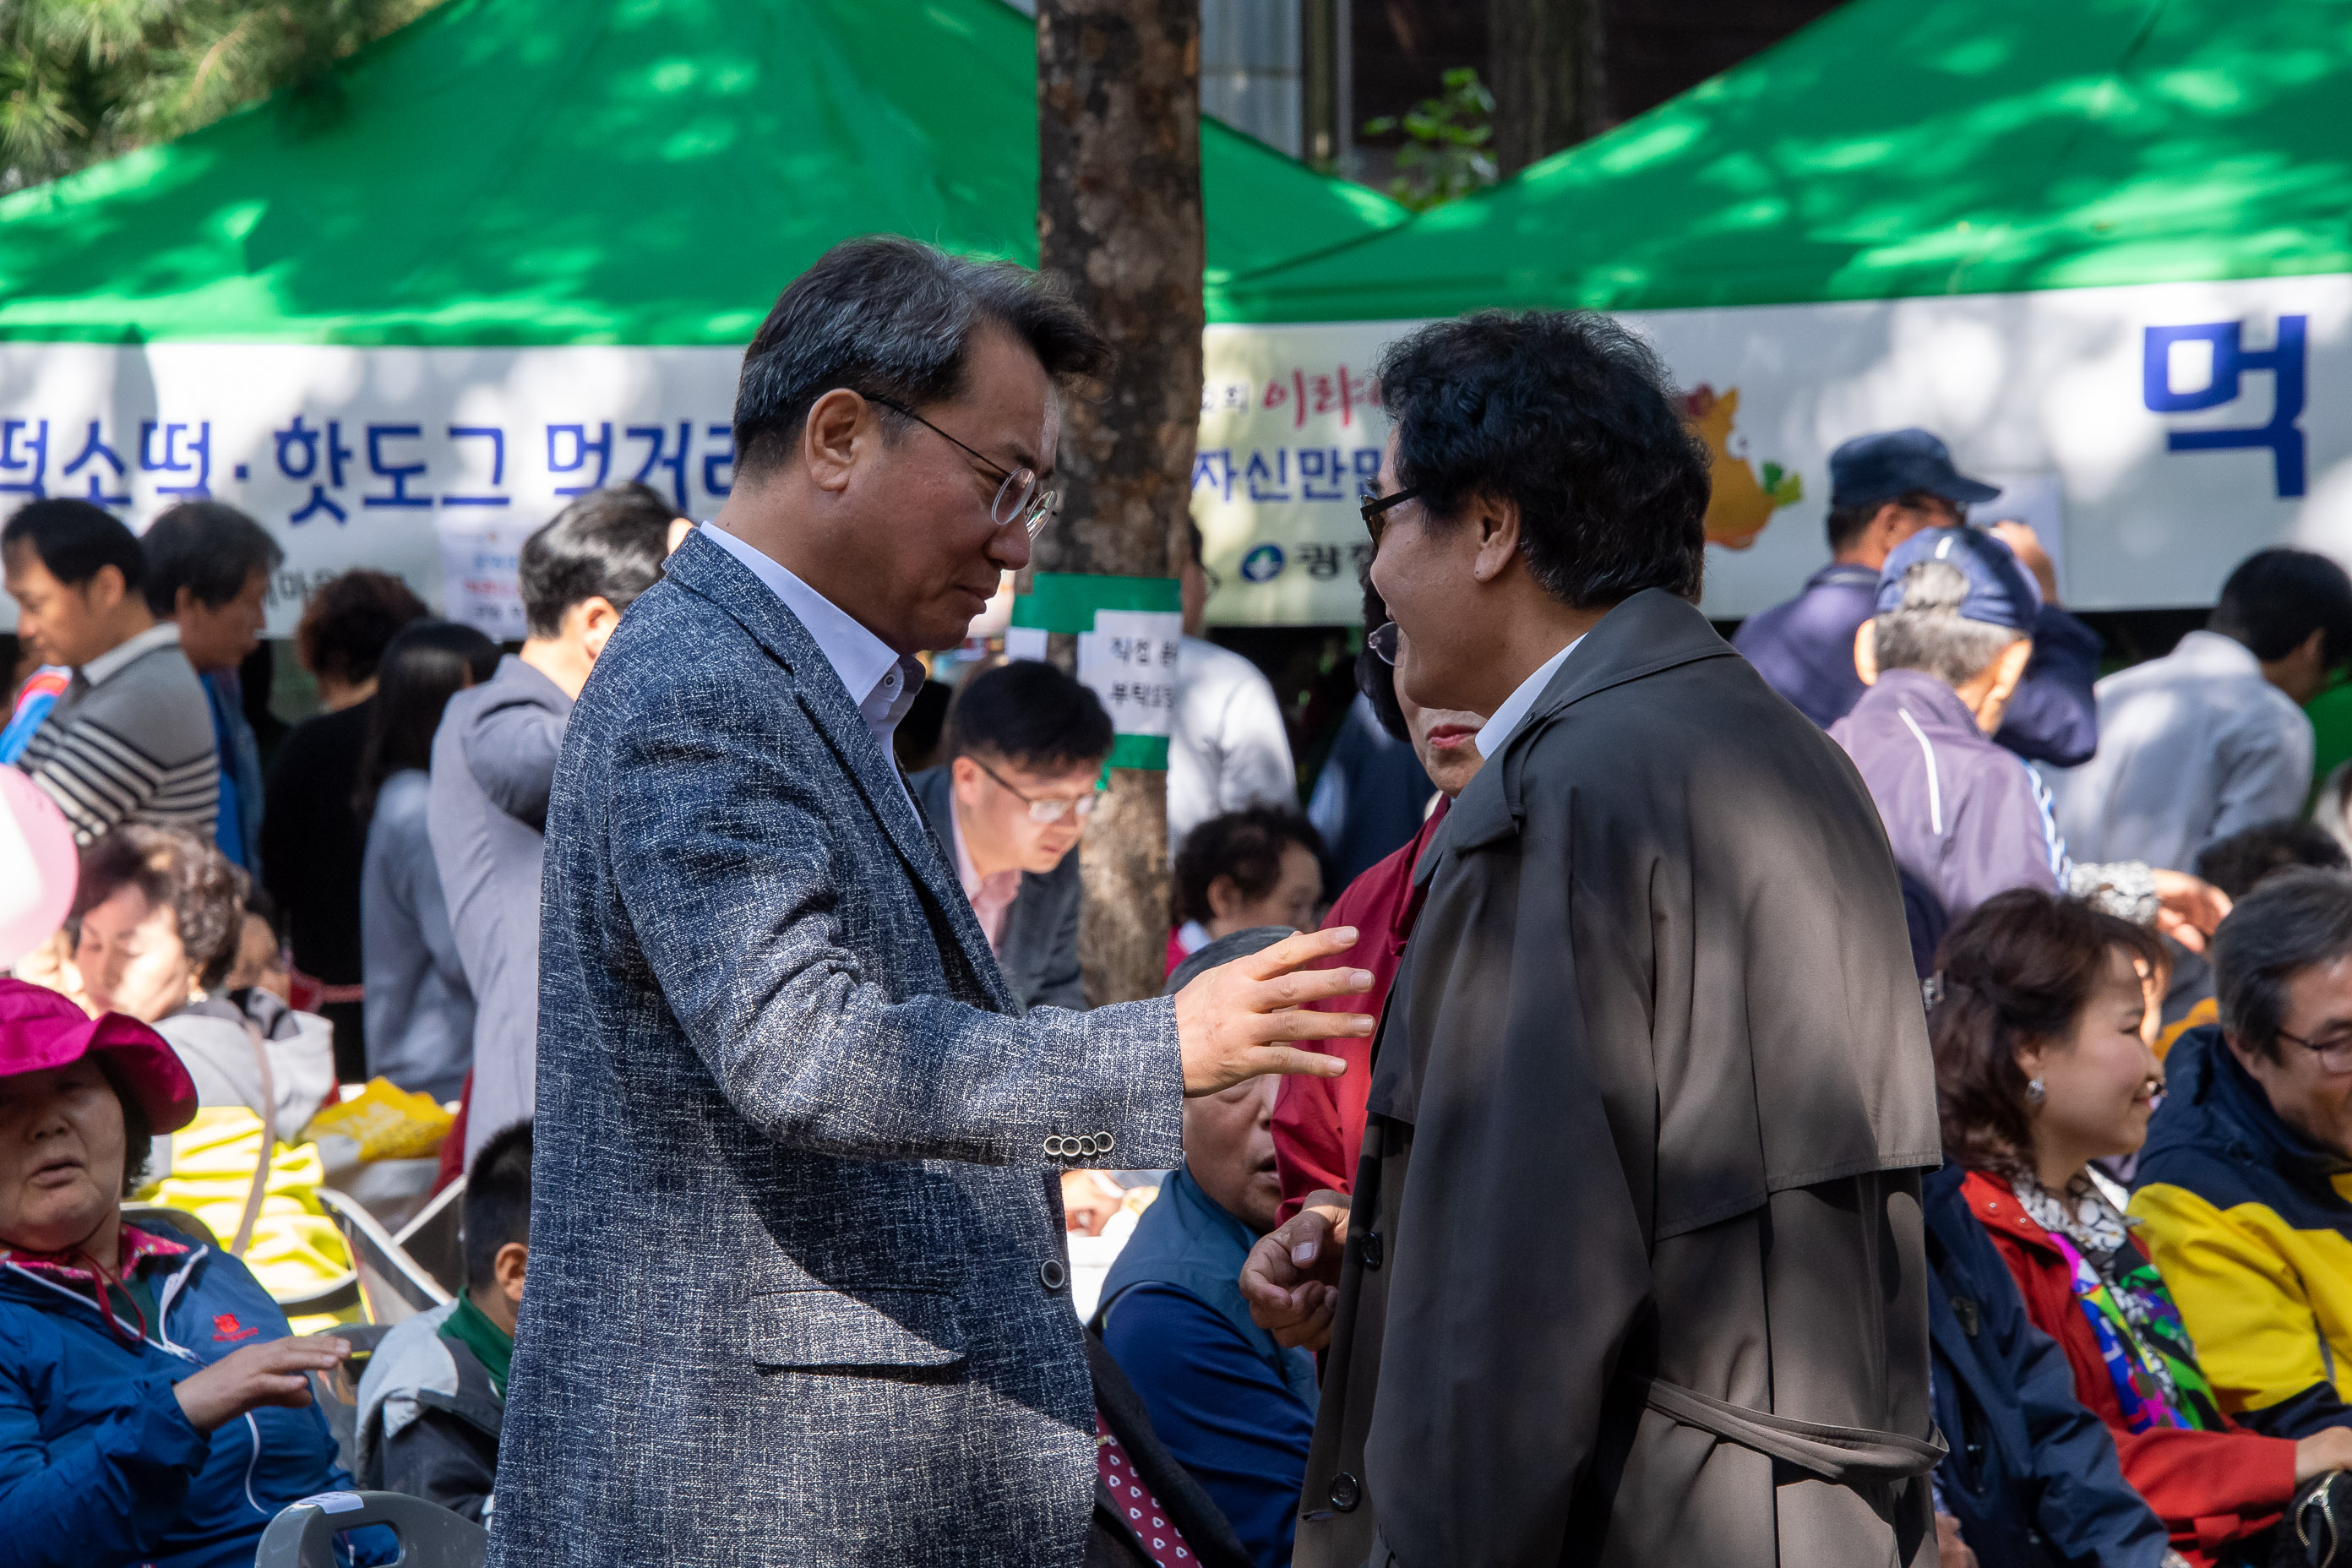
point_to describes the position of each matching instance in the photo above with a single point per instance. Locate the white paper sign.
(1129, 661)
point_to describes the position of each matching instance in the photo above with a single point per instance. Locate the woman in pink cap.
(154, 1407)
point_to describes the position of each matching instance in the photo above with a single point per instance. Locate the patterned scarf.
(2148, 1357)
(73, 1268)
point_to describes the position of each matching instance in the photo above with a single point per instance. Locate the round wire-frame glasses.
(1018, 497)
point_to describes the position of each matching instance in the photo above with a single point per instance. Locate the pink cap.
(41, 1029)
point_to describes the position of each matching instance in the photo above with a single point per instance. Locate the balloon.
(38, 866)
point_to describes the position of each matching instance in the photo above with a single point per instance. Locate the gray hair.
(1926, 632)
(893, 318)
(2295, 920)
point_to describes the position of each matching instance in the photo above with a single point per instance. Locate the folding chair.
(434, 1237)
(303, 1535)
(390, 1283)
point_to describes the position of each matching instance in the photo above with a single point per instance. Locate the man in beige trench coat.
(1632, 1272)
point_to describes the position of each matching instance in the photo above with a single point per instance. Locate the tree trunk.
(1118, 222)
(1546, 75)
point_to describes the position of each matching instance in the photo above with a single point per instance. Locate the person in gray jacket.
(494, 764)
(1968, 818)
(1026, 745)
(799, 1292)
(420, 1012)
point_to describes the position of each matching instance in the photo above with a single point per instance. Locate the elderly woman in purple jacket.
(154, 1406)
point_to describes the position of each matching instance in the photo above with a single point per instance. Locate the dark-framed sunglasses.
(1018, 497)
(1375, 509)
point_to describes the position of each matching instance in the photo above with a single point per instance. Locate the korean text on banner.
(1130, 632)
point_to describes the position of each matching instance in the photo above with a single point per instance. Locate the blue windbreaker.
(99, 1468)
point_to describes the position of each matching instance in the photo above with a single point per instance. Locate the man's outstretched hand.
(1236, 1021)
(1291, 1278)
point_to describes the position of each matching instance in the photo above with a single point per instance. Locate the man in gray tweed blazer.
(798, 1288)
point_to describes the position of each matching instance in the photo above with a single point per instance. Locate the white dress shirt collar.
(162, 634)
(880, 681)
(1506, 719)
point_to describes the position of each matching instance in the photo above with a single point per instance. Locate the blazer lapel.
(702, 567)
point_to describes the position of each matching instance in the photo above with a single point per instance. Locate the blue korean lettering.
(577, 462)
(2231, 359)
(1214, 469)
(712, 462)
(1323, 474)
(196, 457)
(655, 436)
(1264, 480)
(1368, 468)
(496, 437)
(94, 450)
(298, 441)
(400, 495)
(24, 456)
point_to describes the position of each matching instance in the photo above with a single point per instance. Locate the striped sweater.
(131, 740)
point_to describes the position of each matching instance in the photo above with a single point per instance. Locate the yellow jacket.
(296, 1246)
(2251, 1225)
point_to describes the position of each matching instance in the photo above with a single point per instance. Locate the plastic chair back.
(303, 1535)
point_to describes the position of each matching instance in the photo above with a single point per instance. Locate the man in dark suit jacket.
(1025, 744)
(799, 1293)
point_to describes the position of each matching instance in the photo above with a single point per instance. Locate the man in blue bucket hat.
(1884, 487)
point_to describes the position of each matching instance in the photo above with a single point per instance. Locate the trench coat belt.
(1848, 1455)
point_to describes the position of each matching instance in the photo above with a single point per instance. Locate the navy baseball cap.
(1872, 469)
(2001, 592)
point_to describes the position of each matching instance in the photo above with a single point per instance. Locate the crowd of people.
(1883, 1090)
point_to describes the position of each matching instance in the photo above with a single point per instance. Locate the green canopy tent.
(1944, 212)
(557, 171)
(512, 251)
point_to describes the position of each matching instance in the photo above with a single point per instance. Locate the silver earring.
(2033, 1092)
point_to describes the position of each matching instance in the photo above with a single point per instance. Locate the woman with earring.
(2042, 1066)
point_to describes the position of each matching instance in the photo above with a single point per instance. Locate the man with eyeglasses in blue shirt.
(1027, 744)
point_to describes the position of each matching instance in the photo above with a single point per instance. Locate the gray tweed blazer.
(798, 1289)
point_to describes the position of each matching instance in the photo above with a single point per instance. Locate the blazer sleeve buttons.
(1077, 1146)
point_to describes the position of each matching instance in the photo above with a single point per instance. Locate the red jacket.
(1319, 1122)
(2208, 1488)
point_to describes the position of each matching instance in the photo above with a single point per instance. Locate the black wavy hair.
(1569, 416)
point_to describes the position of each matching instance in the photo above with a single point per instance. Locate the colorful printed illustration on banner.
(1740, 505)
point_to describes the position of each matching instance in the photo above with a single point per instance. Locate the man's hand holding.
(1237, 1020)
(1291, 1278)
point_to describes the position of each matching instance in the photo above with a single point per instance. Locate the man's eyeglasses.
(1375, 510)
(1050, 810)
(1017, 497)
(2335, 1052)
(1382, 641)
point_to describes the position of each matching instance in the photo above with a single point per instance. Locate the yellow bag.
(387, 1123)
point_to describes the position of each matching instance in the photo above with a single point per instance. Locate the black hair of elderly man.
(1633, 1272)
(799, 1293)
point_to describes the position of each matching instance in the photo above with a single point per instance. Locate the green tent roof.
(526, 172)
(1909, 147)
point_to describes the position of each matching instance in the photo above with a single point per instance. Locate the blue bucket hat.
(1870, 469)
(2001, 592)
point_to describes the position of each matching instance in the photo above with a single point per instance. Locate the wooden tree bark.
(1545, 59)
(1118, 221)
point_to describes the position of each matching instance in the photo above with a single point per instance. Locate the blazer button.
(1373, 1251)
(1052, 1275)
(1345, 1492)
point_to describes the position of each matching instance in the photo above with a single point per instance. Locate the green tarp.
(547, 171)
(1911, 147)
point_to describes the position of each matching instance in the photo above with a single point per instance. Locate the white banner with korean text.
(2155, 435)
